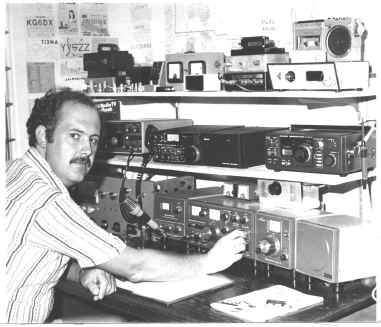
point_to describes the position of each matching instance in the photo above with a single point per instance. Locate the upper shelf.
(312, 99)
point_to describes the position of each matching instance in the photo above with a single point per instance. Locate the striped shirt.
(45, 228)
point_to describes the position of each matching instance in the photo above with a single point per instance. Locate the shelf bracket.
(176, 105)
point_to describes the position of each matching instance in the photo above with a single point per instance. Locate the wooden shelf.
(222, 173)
(312, 99)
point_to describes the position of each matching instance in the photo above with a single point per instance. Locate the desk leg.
(309, 283)
(293, 278)
(336, 290)
(268, 271)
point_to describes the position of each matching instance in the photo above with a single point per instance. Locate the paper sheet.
(267, 303)
(170, 292)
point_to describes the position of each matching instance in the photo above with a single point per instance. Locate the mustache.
(81, 160)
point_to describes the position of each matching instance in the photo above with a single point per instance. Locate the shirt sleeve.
(62, 226)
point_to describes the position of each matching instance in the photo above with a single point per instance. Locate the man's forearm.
(153, 265)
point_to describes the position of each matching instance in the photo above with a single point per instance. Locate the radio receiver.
(134, 136)
(212, 217)
(171, 209)
(320, 149)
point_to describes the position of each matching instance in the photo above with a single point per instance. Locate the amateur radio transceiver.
(134, 136)
(320, 149)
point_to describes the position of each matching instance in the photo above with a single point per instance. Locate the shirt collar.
(34, 158)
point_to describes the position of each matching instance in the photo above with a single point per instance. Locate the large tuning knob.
(303, 153)
(192, 154)
(268, 246)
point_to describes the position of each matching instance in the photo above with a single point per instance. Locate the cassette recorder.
(321, 149)
(134, 136)
(336, 248)
(183, 144)
(212, 217)
(285, 194)
(179, 65)
(275, 235)
(98, 196)
(332, 39)
(331, 76)
(171, 209)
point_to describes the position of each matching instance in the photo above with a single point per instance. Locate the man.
(46, 229)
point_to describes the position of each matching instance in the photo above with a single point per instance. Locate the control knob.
(192, 154)
(303, 153)
(268, 246)
(329, 160)
(275, 188)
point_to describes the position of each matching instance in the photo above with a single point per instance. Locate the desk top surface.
(353, 297)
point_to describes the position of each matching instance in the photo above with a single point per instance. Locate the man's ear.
(41, 136)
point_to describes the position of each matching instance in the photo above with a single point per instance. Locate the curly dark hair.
(46, 109)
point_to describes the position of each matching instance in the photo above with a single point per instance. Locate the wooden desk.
(354, 296)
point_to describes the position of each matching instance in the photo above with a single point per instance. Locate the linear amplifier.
(336, 248)
(275, 235)
(134, 136)
(212, 217)
(171, 209)
(320, 149)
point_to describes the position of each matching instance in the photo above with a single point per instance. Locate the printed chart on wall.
(94, 20)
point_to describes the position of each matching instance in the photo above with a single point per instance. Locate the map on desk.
(174, 291)
(267, 303)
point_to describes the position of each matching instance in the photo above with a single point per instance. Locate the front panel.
(211, 218)
(275, 239)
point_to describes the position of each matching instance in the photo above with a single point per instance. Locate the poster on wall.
(40, 77)
(74, 47)
(68, 18)
(42, 50)
(194, 17)
(141, 33)
(94, 19)
(40, 26)
(72, 74)
(193, 27)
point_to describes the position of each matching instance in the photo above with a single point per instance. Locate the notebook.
(268, 303)
(170, 292)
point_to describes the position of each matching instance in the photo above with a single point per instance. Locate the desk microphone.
(131, 211)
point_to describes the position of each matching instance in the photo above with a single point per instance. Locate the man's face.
(75, 141)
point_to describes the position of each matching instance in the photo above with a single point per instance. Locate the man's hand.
(98, 282)
(226, 251)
